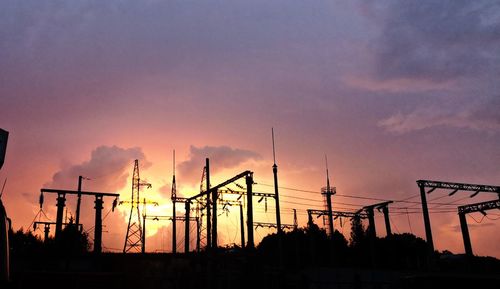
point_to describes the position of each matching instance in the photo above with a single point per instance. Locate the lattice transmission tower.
(133, 238)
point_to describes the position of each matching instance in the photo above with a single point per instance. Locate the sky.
(391, 91)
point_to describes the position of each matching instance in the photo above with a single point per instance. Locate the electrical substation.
(201, 213)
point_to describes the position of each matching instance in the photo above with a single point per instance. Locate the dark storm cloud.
(221, 157)
(440, 40)
(108, 169)
(454, 43)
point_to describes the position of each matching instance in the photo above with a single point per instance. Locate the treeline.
(312, 247)
(25, 243)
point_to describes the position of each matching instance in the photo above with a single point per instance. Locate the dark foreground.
(238, 270)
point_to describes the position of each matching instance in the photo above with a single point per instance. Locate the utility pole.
(465, 234)
(98, 224)
(427, 220)
(198, 235)
(174, 201)
(78, 201)
(214, 216)
(143, 248)
(385, 211)
(186, 229)
(249, 182)
(295, 222)
(372, 233)
(276, 193)
(209, 216)
(277, 200)
(61, 203)
(242, 227)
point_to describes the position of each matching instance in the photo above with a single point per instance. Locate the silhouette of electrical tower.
(133, 238)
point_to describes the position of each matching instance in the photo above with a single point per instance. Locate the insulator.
(40, 201)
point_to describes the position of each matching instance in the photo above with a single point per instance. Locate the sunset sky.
(390, 91)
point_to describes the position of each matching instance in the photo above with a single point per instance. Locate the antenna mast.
(174, 200)
(327, 174)
(328, 192)
(276, 193)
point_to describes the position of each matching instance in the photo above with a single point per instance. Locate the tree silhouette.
(358, 232)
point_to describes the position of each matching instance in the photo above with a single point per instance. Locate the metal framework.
(273, 225)
(144, 203)
(61, 203)
(466, 209)
(459, 186)
(479, 207)
(455, 187)
(327, 193)
(134, 236)
(225, 204)
(255, 194)
(175, 199)
(174, 219)
(335, 214)
(213, 192)
(384, 206)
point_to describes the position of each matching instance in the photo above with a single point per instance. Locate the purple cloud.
(108, 169)
(221, 157)
(439, 41)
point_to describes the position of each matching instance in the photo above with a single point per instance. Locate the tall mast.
(327, 174)
(174, 200)
(276, 193)
(328, 194)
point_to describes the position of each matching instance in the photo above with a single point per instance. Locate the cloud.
(221, 157)
(108, 168)
(481, 116)
(439, 41)
(396, 85)
(457, 228)
(165, 190)
(444, 54)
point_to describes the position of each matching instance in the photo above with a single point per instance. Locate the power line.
(405, 200)
(480, 221)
